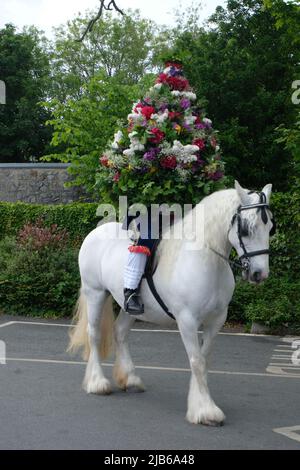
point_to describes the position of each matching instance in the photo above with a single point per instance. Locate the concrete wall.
(41, 183)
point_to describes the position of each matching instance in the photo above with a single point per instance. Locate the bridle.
(244, 260)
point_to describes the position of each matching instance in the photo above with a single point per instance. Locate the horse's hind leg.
(124, 371)
(94, 380)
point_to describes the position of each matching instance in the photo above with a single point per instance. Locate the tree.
(244, 65)
(119, 47)
(24, 67)
(83, 126)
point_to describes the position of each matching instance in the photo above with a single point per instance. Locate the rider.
(137, 258)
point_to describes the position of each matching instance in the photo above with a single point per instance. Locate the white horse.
(197, 287)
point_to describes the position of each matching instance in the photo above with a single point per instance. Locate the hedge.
(77, 218)
(275, 303)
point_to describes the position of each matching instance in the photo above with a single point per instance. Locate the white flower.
(118, 136)
(160, 118)
(115, 145)
(137, 146)
(191, 148)
(128, 152)
(157, 86)
(190, 119)
(188, 94)
(176, 93)
(132, 134)
(217, 148)
(167, 70)
(207, 121)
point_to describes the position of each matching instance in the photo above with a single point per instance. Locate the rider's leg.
(133, 273)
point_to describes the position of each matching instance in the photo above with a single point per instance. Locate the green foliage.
(244, 65)
(276, 302)
(77, 218)
(25, 69)
(83, 127)
(38, 281)
(291, 140)
(117, 47)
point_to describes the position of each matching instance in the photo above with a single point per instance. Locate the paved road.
(42, 406)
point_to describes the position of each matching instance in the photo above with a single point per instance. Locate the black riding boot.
(132, 304)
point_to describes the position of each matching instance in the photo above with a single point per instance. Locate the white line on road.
(7, 324)
(142, 330)
(171, 369)
(290, 432)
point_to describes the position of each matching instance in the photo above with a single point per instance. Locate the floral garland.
(167, 134)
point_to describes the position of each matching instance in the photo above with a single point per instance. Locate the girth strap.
(149, 271)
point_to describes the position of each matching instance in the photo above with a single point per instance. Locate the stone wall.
(41, 183)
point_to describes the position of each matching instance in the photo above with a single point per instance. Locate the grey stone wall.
(41, 183)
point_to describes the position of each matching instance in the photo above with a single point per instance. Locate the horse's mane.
(216, 212)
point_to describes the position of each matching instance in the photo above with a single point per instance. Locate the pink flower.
(200, 143)
(104, 161)
(116, 177)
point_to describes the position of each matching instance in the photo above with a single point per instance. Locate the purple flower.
(163, 107)
(185, 103)
(187, 127)
(152, 153)
(216, 176)
(174, 72)
(200, 126)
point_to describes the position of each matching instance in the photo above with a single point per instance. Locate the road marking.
(170, 369)
(142, 330)
(290, 432)
(7, 324)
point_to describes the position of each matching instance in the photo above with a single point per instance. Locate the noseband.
(261, 206)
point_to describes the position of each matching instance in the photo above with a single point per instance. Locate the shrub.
(38, 272)
(77, 218)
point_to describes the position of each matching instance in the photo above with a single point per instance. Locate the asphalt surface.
(252, 378)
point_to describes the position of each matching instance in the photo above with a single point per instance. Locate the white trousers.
(134, 269)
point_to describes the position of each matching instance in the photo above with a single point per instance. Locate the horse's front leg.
(201, 407)
(124, 371)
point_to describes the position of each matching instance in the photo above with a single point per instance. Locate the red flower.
(178, 83)
(162, 78)
(174, 115)
(117, 177)
(200, 143)
(158, 135)
(169, 162)
(147, 111)
(104, 160)
(139, 105)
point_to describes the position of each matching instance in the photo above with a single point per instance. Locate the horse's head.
(250, 230)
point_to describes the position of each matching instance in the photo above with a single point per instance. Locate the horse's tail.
(79, 330)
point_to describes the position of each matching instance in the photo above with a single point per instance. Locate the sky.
(45, 14)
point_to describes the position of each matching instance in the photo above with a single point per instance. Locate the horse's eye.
(244, 230)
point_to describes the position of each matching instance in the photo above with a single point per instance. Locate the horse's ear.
(243, 194)
(267, 190)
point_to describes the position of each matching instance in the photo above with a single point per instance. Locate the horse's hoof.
(98, 387)
(134, 384)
